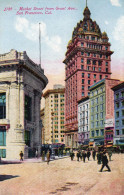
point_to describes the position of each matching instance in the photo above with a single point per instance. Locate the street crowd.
(100, 155)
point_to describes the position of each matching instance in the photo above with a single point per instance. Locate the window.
(82, 60)
(101, 122)
(28, 108)
(117, 114)
(27, 138)
(82, 81)
(106, 63)
(2, 137)
(99, 63)
(82, 67)
(106, 48)
(2, 105)
(100, 55)
(93, 38)
(101, 106)
(94, 81)
(122, 103)
(88, 93)
(92, 133)
(94, 76)
(94, 62)
(117, 123)
(88, 87)
(117, 95)
(97, 132)
(82, 44)
(88, 67)
(83, 75)
(102, 132)
(122, 131)
(106, 69)
(94, 68)
(123, 122)
(100, 77)
(3, 153)
(82, 53)
(88, 54)
(88, 82)
(56, 96)
(88, 75)
(88, 61)
(99, 69)
(82, 93)
(101, 114)
(117, 132)
(117, 105)
(94, 55)
(122, 94)
(82, 87)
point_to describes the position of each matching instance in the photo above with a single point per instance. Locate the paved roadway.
(62, 177)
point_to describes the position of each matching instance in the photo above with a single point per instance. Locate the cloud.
(106, 22)
(31, 32)
(118, 33)
(115, 3)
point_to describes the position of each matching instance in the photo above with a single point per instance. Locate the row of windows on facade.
(120, 114)
(57, 95)
(119, 95)
(97, 108)
(61, 127)
(56, 118)
(98, 91)
(56, 113)
(56, 122)
(56, 136)
(57, 105)
(119, 104)
(97, 123)
(83, 122)
(56, 140)
(94, 46)
(60, 100)
(95, 62)
(88, 54)
(61, 109)
(83, 129)
(119, 122)
(94, 69)
(97, 100)
(120, 132)
(82, 108)
(27, 107)
(97, 133)
(88, 75)
(58, 131)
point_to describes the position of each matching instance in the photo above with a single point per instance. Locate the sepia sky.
(19, 30)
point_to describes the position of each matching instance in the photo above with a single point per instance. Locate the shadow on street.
(5, 177)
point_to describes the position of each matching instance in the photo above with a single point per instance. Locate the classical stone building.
(54, 129)
(88, 60)
(42, 115)
(21, 85)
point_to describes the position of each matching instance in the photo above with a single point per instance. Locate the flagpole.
(39, 45)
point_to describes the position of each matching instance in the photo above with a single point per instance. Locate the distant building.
(87, 61)
(102, 112)
(54, 115)
(119, 114)
(42, 115)
(83, 121)
(21, 85)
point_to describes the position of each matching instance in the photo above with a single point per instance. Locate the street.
(62, 177)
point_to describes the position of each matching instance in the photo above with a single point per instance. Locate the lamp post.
(52, 116)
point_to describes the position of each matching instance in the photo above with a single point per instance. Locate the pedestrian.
(36, 153)
(94, 154)
(48, 157)
(72, 155)
(98, 158)
(21, 156)
(88, 154)
(78, 155)
(84, 156)
(81, 155)
(43, 156)
(104, 162)
(110, 154)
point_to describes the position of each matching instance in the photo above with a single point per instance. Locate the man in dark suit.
(104, 162)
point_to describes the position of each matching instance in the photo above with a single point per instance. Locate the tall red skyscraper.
(88, 60)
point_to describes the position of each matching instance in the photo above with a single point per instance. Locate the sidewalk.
(31, 160)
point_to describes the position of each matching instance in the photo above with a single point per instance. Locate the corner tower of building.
(88, 60)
